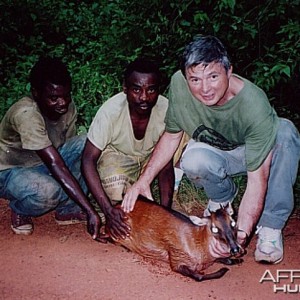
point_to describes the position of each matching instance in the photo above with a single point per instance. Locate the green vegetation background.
(98, 38)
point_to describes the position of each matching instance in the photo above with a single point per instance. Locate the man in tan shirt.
(121, 139)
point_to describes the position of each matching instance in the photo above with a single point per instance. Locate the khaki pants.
(118, 172)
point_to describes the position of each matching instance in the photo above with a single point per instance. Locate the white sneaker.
(269, 247)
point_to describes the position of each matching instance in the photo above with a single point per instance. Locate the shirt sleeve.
(31, 127)
(100, 131)
(260, 135)
(174, 94)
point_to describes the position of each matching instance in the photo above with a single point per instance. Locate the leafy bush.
(98, 38)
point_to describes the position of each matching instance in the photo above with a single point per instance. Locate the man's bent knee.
(200, 161)
(32, 193)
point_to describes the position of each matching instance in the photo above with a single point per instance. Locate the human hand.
(132, 194)
(115, 222)
(242, 237)
(93, 227)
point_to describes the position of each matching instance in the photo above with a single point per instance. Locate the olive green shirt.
(24, 130)
(247, 119)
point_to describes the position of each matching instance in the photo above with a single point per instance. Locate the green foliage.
(98, 38)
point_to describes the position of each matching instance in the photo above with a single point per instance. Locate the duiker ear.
(229, 209)
(199, 221)
(207, 213)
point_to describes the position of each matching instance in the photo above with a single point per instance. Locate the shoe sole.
(267, 262)
(21, 231)
(70, 222)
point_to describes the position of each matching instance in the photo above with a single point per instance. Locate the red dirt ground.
(63, 262)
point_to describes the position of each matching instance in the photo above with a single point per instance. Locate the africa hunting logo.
(284, 281)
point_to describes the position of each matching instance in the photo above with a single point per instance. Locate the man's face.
(142, 90)
(53, 100)
(209, 83)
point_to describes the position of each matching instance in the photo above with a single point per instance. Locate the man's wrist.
(145, 178)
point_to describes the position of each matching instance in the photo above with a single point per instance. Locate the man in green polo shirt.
(234, 131)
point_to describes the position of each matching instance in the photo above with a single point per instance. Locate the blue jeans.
(212, 169)
(33, 191)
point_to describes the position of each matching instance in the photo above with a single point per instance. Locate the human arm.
(251, 206)
(162, 154)
(166, 181)
(115, 217)
(57, 167)
(253, 199)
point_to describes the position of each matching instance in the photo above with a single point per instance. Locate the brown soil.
(63, 262)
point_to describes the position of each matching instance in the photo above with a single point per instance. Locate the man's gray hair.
(204, 50)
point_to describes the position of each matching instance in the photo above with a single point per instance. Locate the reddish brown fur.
(160, 234)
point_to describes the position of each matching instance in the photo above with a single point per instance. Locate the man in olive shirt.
(40, 153)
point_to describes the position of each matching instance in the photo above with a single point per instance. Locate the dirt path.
(63, 262)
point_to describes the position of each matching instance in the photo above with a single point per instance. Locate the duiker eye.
(233, 223)
(214, 230)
